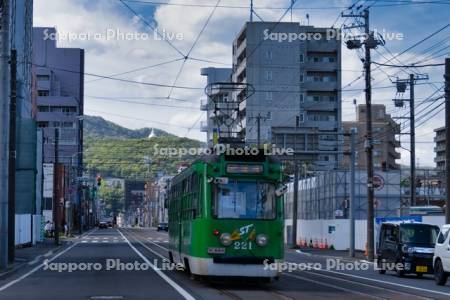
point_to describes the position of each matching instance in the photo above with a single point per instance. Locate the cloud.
(108, 57)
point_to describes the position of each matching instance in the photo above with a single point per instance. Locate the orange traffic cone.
(366, 251)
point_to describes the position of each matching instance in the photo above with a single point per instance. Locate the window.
(302, 117)
(43, 109)
(42, 124)
(302, 97)
(269, 75)
(43, 77)
(244, 200)
(269, 115)
(269, 96)
(302, 78)
(443, 235)
(302, 58)
(419, 234)
(269, 54)
(42, 93)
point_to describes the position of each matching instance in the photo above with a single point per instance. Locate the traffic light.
(99, 180)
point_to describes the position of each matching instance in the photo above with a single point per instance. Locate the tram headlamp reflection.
(262, 240)
(225, 239)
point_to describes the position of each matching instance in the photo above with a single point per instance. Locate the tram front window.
(244, 200)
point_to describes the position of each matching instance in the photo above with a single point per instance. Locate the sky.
(120, 41)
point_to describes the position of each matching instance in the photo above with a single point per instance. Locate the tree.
(113, 196)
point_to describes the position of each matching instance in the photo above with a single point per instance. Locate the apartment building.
(60, 96)
(385, 141)
(439, 149)
(293, 94)
(59, 105)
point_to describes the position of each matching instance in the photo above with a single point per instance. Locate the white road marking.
(84, 241)
(333, 286)
(178, 288)
(48, 253)
(105, 241)
(368, 285)
(106, 297)
(35, 269)
(381, 281)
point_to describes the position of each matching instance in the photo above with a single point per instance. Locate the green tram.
(226, 216)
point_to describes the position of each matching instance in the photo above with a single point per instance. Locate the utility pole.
(4, 130)
(295, 206)
(251, 10)
(258, 121)
(258, 128)
(352, 191)
(12, 157)
(369, 43)
(401, 88)
(412, 183)
(56, 188)
(447, 139)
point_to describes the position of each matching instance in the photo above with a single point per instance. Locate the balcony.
(439, 148)
(321, 86)
(321, 66)
(325, 145)
(319, 105)
(241, 48)
(321, 125)
(322, 46)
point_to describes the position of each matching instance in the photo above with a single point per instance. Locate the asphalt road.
(111, 263)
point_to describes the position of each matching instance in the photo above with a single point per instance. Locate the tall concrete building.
(27, 161)
(385, 130)
(440, 147)
(60, 102)
(293, 99)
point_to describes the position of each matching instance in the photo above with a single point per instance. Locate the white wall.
(340, 238)
(23, 229)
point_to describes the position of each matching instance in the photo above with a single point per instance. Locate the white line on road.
(369, 285)
(333, 286)
(4, 287)
(178, 288)
(381, 281)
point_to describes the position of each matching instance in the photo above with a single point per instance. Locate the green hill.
(115, 151)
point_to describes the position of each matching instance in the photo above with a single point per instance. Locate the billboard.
(48, 180)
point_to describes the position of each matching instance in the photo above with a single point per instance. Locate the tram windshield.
(244, 200)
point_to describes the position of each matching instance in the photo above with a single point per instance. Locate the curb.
(19, 265)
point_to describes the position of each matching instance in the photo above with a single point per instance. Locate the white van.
(441, 258)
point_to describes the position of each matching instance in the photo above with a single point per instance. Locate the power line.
(407, 66)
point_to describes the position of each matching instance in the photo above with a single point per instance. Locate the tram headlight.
(262, 240)
(225, 239)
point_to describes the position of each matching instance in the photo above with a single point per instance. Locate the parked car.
(163, 227)
(407, 246)
(102, 225)
(441, 259)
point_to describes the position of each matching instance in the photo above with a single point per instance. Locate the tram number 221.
(243, 245)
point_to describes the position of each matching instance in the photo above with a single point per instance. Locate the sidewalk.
(359, 255)
(30, 256)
